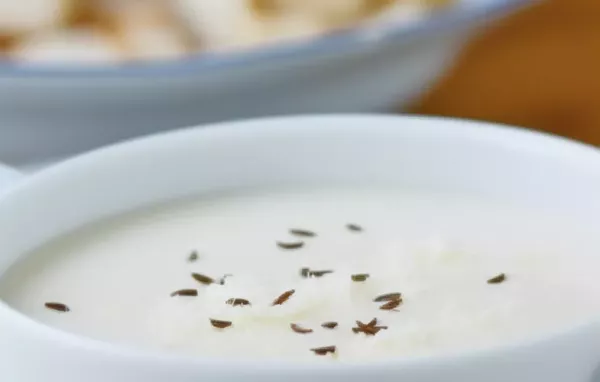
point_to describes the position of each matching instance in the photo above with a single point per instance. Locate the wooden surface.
(539, 69)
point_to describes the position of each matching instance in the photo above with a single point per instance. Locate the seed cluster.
(389, 301)
(370, 329)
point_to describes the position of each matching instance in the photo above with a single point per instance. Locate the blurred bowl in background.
(51, 111)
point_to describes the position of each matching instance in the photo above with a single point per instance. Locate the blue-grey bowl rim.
(335, 43)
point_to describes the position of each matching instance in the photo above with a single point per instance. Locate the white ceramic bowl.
(50, 112)
(421, 153)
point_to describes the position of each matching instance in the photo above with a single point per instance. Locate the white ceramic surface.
(52, 112)
(418, 153)
(7, 176)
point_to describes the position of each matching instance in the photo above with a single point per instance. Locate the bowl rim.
(504, 135)
(333, 44)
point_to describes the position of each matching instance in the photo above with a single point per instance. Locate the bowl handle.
(8, 177)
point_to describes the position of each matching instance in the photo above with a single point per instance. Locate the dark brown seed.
(362, 325)
(203, 279)
(319, 273)
(299, 329)
(388, 297)
(291, 245)
(498, 279)
(354, 227)
(193, 256)
(302, 233)
(185, 292)
(360, 277)
(305, 272)
(238, 302)
(390, 305)
(57, 306)
(220, 324)
(284, 297)
(323, 350)
(369, 329)
(329, 325)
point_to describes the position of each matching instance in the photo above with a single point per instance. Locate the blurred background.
(538, 68)
(79, 74)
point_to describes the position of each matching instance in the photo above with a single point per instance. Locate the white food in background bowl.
(226, 25)
(68, 47)
(116, 31)
(230, 24)
(18, 16)
(146, 30)
(73, 109)
(156, 29)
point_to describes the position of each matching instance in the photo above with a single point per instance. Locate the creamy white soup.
(334, 275)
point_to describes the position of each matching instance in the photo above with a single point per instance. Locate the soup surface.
(331, 275)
